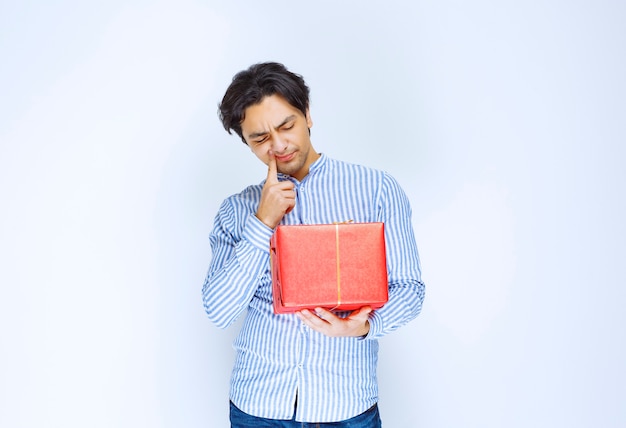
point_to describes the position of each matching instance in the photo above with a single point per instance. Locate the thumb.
(361, 313)
(272, 172)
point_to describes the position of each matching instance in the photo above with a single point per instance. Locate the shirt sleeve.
(406, 289)
(239, 262)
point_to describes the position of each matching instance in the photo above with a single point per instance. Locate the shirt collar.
(318, 164)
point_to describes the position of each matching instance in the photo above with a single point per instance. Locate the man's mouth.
(285, 158)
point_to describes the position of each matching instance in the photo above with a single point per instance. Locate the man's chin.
(289, 168)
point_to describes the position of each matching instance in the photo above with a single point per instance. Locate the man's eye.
(288, 127)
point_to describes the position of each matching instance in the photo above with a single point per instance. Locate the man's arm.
(406, 289)
(237, 266)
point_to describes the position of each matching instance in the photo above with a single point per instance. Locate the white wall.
(504, 121)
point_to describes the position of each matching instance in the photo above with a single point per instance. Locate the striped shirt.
(278, 358)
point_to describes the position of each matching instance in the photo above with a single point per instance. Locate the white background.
(503, 120)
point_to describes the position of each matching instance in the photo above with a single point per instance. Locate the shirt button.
(300, 366)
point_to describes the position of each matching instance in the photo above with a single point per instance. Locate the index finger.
(272, 171)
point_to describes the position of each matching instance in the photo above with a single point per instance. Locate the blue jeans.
(239, 419)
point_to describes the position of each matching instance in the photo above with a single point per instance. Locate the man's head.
(251, 86)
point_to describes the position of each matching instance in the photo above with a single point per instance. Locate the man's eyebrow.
(256, 134)
(261, 133)
(287, 120)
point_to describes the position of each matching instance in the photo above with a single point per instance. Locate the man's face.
(275, 126)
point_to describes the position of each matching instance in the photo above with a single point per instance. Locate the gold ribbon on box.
(337, 223)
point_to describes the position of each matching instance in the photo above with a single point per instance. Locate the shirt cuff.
(257, 233)
(376, 326)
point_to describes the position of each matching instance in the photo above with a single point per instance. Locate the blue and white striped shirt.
(277, 356)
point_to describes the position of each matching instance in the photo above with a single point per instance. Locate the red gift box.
(334, 266)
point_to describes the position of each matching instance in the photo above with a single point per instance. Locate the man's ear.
(309, 122)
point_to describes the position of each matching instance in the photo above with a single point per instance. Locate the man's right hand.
(277, 197)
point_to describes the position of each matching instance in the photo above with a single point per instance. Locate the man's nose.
(279, 145)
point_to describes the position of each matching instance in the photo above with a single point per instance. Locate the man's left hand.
(325, 322)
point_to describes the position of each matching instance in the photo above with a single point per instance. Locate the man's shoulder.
(354, 171)
(358, 170)
(353, 166)
(249, 194)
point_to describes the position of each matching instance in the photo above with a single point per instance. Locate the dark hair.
(251, 86)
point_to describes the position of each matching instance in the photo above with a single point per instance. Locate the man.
(312, 366)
